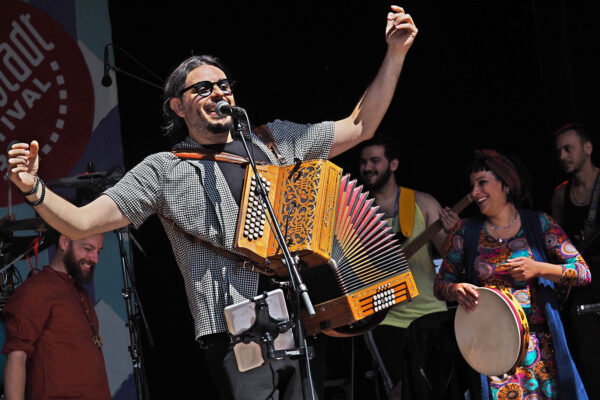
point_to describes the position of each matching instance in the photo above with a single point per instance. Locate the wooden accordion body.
(351, 263)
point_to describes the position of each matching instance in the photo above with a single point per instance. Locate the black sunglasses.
(205, 88)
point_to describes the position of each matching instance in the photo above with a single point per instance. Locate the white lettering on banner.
(16, 63)
(13, 67)
(10, 54)
(37, 57)
(7, 122)
(17, 112)
(43, 87)
(3, 97)
(45, 45)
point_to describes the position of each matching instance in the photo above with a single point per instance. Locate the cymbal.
(77, 181)
(20, 244)
(90, 180)
(33, 224)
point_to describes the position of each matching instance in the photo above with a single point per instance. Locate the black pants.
(274, 380)
(582, 337)
(425, 357)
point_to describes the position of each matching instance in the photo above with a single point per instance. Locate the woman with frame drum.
(520, 254)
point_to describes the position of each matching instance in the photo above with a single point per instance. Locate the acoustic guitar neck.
(413, 246)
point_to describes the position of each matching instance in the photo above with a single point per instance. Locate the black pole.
(130, 293)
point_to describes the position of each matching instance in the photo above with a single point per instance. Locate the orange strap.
(207, 154)
(263, 132)
(406, 211)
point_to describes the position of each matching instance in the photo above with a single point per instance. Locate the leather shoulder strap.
(593, 210)
(211, 155)
(406, 211)
(265, 134)
(240, 261)
(262, 131)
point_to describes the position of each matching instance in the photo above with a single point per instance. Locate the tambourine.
(494, 337)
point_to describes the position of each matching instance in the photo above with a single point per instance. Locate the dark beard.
(379, 182)
(74, 269)
(218, 129)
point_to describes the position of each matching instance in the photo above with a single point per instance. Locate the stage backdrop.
(51, 69)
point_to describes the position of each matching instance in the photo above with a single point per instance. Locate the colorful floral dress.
(535, 377)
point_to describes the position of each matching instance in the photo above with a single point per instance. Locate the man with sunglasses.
(198, 200)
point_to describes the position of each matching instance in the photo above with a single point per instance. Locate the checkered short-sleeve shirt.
(195, 196)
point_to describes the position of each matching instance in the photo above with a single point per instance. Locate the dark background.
(481, 74)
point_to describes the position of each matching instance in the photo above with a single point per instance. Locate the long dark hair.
(173, 125)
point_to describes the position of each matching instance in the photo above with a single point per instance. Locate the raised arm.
(363, 122)
(101, 215)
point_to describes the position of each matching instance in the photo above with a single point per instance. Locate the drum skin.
(493, 338)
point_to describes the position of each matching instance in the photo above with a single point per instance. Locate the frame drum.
(494, 337)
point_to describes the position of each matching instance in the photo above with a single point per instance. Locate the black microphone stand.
(133, 305)
(299, 289)
(129, 293)
(113, 67)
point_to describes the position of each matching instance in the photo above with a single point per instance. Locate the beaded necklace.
(96, 337)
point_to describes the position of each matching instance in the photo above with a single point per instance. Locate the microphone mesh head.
(219, 108)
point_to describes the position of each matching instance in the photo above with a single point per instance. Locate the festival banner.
(52, 61)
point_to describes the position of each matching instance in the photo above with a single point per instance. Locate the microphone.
(223, 108)
(106, 79)
(587, 308)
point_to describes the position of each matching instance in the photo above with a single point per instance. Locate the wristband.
(35, 187)
(41, 199)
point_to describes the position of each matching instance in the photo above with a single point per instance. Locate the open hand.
(465, 294)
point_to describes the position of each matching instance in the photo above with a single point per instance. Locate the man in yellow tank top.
(409, 213)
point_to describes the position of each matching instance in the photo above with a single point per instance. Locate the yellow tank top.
(423, 271)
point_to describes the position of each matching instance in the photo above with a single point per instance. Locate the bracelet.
(35, 187)
(41, 199)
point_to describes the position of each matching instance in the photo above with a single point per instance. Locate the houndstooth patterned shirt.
(195, 196)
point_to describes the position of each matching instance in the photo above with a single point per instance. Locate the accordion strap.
(265, 134)
(262, 131)
(240, 261)
(211, 155)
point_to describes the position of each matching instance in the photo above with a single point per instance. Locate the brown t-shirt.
(46, 319)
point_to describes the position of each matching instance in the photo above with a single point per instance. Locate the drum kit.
(14, 246)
